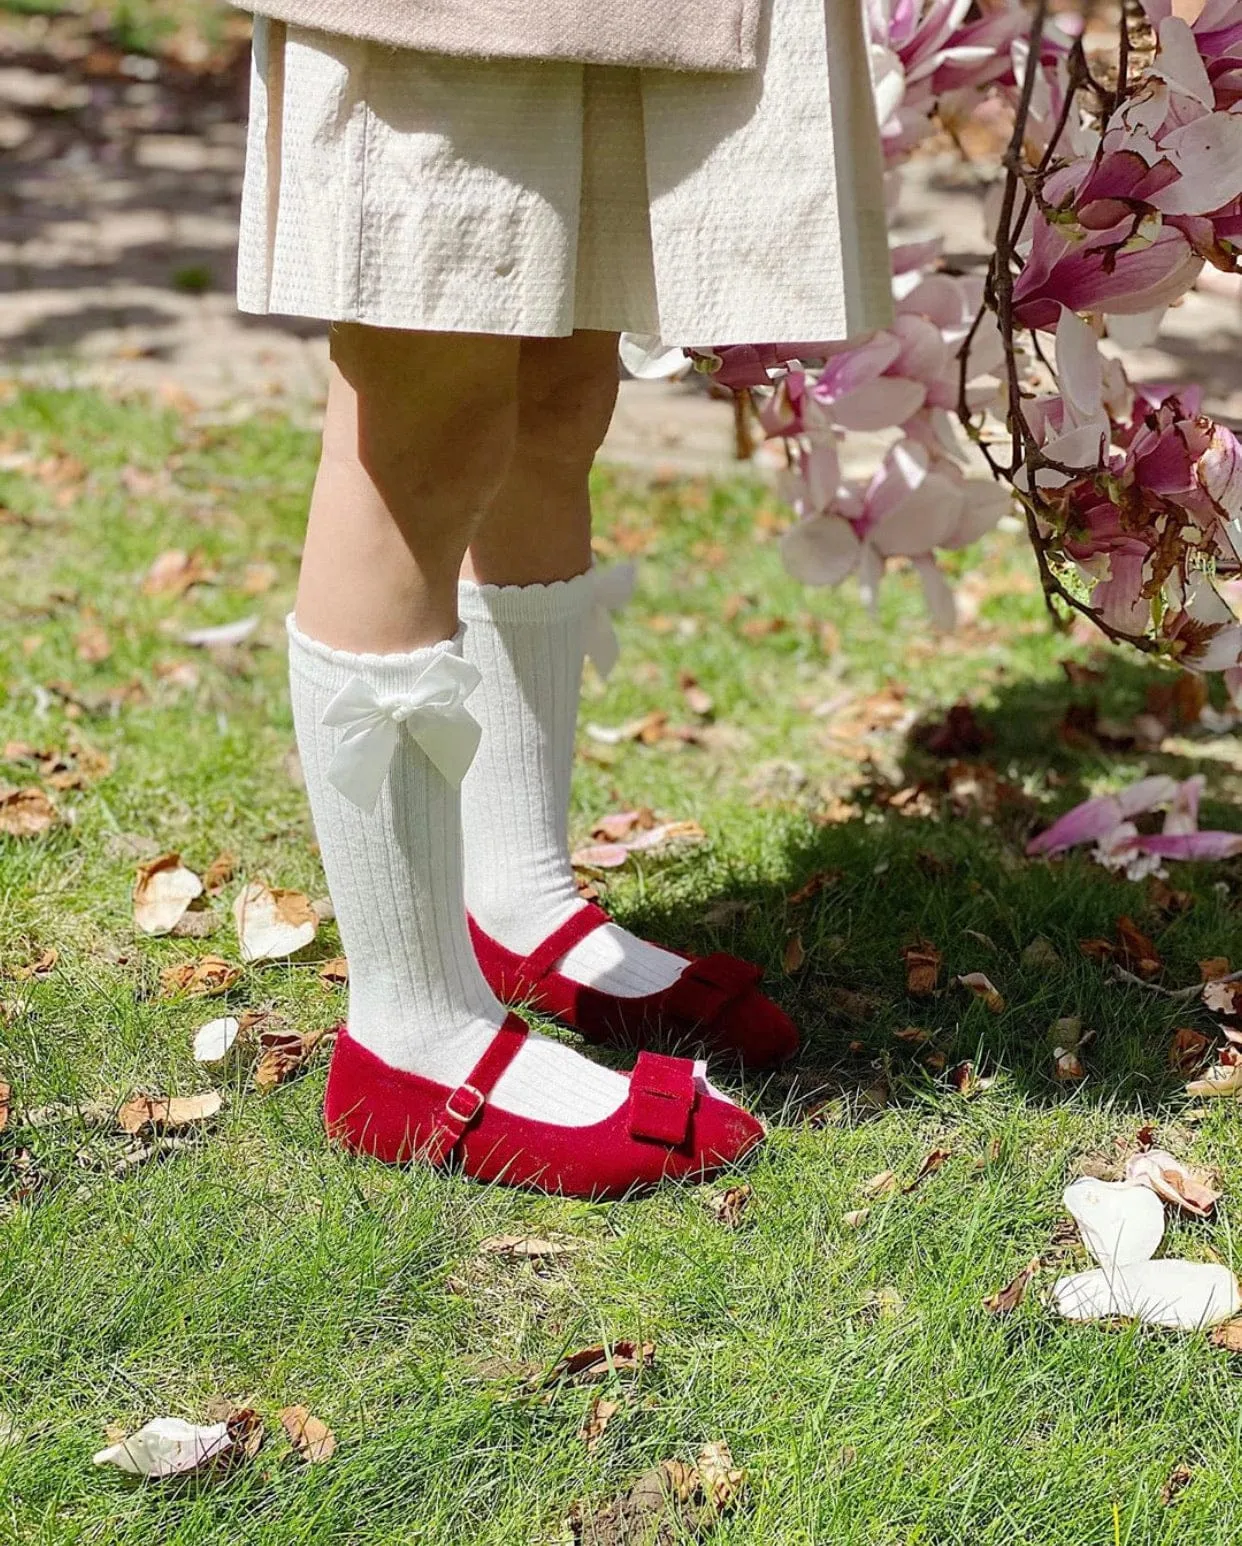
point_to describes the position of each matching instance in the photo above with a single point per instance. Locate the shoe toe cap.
(759, 1031)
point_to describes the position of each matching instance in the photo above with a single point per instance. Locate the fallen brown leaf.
(1228, 1336)
(931, 1164)
(272, 923)
(984, 988)
(880, 1185)
(219, 872)
(26, 812)
(204, 977)
(822, 880)
(335, 971)
(1213, 968)
(913, 1035)
(600, 1415)
(173, 573)
(42, 966)
(794, 956)
(1177, 1481)
(697, 700)
(615, 828)
(1136, 950)
(922, 968)
(6, 1096)
(591, 1364)
(728, 1206)
(283, 1052)
(166, 1113)
(1011, 1296)
(959, 734)
(313, 1440)
(528, 1246)
(720, 1479)
(93, 644)
(671, 1502)
(1188, 1049)
(162, 893)
(856, 1218)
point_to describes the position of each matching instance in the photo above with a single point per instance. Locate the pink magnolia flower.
(911, 506)
(1108, 822)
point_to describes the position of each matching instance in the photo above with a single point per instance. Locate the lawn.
(849, 1366)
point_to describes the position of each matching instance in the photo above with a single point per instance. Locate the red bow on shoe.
(662, 1098)
(708, 986)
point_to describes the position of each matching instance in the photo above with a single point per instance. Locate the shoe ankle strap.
(561, 941)
(465, 1104)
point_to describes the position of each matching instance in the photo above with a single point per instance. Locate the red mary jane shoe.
(671, 1125)
(715, 999)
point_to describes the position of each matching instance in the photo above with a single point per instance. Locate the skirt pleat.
(420, 191)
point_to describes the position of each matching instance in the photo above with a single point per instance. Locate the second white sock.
(529, 642)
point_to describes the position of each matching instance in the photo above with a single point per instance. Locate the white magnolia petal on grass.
(1146, 794)
(167, 1446)
(821, 550)
(213, 1040)
(1120, 1225)
(222, 635)
(163, 891)
(272, 923)
(1182, 1295)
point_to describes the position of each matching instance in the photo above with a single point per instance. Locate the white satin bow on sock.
(432, 712)
(612, 589)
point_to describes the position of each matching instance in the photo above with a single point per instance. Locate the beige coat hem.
(702, 35)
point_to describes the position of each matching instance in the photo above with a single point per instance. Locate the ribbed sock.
(528, 642)
(417, 998)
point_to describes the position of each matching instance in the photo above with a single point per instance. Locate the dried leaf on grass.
(822, 880)
(591, 1364)
(26, 812)
(6, 1096)
(219, 872)
(1067, 1038)
(662, 837)
(984, 988)
(283, 1052)
(203, 978)
(1188, 1049)
(728, 1206)
(1228, 1336)
(166, 1113)
(931, 1164)
(335, 972)
(697, 699)
(313, 1440)
(1007, 1299)
(881, 1184)
(923, 962)
(648, 729)
(856, 1218)
(1223, 1078)
(600, 1415)
(163, 891)
(794, 955)
(528, 1246)
(41, 967)
(1172, 1182)
(273, 923)
(173, 572)
(1214, 968)
(1177, 1481)
(671, 1502)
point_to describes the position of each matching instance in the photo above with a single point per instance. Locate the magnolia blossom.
(911, 507)
(1108, 822)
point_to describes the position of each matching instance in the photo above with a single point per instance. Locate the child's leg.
(525, 630)
(418, 436)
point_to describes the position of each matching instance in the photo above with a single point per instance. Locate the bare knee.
(567, 390)
(431, 420)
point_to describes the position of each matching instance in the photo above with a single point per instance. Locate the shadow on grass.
(948, 866)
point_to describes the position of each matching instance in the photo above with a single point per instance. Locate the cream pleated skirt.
(417, 191)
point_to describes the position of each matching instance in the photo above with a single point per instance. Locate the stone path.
(119, 183)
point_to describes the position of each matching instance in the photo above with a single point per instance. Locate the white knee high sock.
(417, 998)
(528, 642)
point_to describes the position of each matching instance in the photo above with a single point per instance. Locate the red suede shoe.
(670, 1126)
(715, 1000)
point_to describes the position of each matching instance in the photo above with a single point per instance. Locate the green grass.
(852, 1371)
